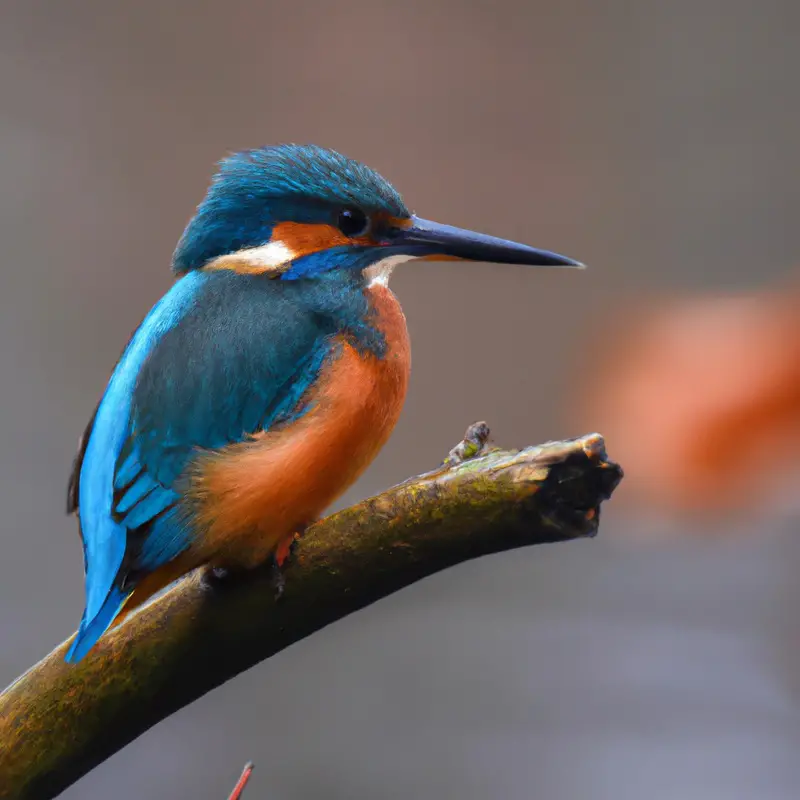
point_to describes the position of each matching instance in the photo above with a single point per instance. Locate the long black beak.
(424, 238)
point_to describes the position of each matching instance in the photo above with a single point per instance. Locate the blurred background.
(654, 141)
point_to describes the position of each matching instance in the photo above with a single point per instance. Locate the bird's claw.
(277, 578)
(283, 552)
(220, 579)
(285, 549)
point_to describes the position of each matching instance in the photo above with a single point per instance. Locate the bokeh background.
(655, 141)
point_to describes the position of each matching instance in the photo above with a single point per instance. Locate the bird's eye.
(353, 222)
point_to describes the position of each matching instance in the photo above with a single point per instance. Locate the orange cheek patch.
(303, 239)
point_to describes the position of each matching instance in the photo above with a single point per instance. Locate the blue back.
(220, 357)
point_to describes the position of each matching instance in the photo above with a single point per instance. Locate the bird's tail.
(90, 631)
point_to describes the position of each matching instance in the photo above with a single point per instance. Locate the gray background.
(656, 141)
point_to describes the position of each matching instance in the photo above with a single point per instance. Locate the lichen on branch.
(60, 720)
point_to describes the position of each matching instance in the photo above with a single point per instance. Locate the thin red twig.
(242, 782)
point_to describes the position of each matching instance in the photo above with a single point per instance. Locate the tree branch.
(58, 720)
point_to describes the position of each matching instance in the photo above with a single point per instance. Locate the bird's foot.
(286, 548)
(277, 579)
(221, 578)
(283, 552)
(219, 574)
(217, 579)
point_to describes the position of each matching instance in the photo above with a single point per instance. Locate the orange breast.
(249, 496)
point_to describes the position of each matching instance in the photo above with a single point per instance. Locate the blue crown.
(255, 189)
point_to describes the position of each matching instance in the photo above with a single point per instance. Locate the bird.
(264, 381)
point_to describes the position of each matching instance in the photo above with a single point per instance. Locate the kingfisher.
(263, 383)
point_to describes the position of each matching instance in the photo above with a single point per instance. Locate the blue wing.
(218, 358)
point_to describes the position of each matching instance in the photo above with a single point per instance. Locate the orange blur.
(699, 399)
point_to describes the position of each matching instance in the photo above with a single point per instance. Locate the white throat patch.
(380, 272)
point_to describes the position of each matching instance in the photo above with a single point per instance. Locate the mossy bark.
(58, 721)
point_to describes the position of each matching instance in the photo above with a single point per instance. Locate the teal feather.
(221, 357)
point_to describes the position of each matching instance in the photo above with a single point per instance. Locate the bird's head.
(298, 211)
